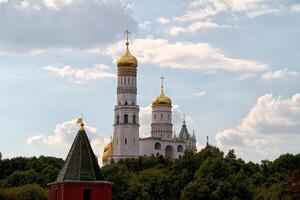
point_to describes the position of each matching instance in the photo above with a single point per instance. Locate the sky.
(231, 66)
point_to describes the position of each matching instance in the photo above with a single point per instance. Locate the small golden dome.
(162, 99)
(108, 151)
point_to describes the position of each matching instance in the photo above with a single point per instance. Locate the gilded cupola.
(108, 151)
(127, 64)
(162, 99)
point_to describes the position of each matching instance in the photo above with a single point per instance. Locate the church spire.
(207, 141)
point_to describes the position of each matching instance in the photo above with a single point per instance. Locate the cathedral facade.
(126, 142)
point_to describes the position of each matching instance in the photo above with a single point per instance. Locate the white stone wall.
(147, 147)
(162, 122)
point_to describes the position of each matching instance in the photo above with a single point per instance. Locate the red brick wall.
(74, 191)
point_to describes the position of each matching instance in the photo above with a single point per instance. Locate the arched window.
(133, 140)
(134, 119)
(125, 141)
(125, 119)
(180, 148)
(118, 119)
(126, 103)
(157, 146)
(132, 103)
(161, 116)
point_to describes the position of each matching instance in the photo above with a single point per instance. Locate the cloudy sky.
(232, 66)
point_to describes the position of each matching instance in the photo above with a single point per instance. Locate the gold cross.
(162, 82)
(127, 35)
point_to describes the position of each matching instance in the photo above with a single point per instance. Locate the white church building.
(126, 142)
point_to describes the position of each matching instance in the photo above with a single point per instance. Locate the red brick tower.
(81, 177)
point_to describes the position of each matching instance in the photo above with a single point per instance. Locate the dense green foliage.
(25, 192)
(208, 174)
(205, 175)
(21, 171)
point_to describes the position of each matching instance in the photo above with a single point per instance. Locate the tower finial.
(162, 84)
(80, 122)
(207, 141)
(127, 36)
(183, 119)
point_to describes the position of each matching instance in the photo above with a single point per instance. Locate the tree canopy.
(208, 174)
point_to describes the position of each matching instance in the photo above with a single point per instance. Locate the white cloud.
(263, 10)
(56, 4)
(185, 55)
(193, 27)
(64, 134)
(295, 8)
(198, 94)
(3, 1)
(80, 75)
(199, 9)
(246, 76)
(145, 25)
(163, 20)
(28, 26)
(278, 74)
(269, 129)
(193, 95)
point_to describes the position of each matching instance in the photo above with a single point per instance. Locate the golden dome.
(162, 99)
(127, 64)
(127, 60)
(108, 151)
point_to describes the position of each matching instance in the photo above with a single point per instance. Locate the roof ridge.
(91, 162)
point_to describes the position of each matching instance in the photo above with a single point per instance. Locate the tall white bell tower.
(126, 124)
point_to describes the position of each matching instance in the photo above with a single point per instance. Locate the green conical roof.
(184, 133)
(81, 163)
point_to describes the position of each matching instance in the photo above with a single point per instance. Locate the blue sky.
(232, 66)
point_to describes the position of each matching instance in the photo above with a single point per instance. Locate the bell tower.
(126, 124)
(161, 126)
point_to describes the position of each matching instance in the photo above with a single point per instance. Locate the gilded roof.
(108, 151)
(162, 99)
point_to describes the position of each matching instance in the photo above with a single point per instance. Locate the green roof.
(184, 133)
(81, 163)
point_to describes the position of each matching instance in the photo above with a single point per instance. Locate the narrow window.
(87, 194)
(133, 140)
(132, 103)
(154, 116)
(161, 116)
(118, 119)
(125, 141)
(134, 119)
(125, 119)
(126, 103)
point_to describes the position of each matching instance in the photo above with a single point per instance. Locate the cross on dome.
(127, 36)
(162, 83)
